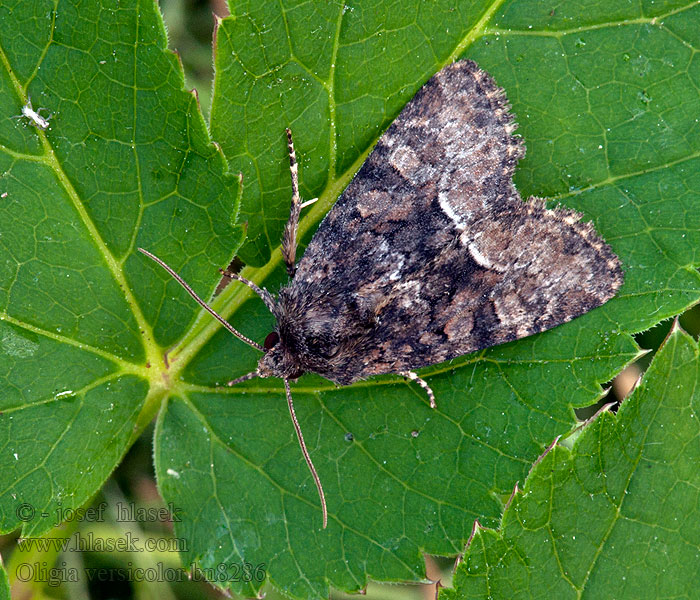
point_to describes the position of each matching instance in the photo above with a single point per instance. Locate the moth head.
(299, 344)
(278, 360)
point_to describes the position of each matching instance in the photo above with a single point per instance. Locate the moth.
(429, 253)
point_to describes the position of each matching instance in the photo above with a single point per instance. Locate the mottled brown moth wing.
(430, 252)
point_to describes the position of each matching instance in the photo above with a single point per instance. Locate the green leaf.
(614, 517)
(127, 162)
(393, 495)
(4, 584)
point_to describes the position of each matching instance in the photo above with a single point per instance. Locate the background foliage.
(616, 515)
(607, 102)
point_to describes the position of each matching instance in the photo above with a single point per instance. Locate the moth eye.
(271, 340)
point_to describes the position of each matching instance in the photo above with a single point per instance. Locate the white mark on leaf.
(17, 345)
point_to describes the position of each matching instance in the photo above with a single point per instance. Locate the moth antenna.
(201, 302)
(245, 377)
(305, 452)
(263, 293)
(289, 239)
(421, 382)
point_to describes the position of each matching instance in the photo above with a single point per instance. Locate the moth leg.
(289, 239)
(265, 296)
(421, 382)
(243, 378)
